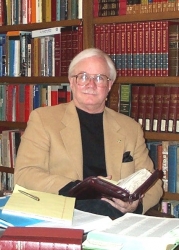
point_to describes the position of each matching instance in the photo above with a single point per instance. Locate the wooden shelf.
(171, 196)
(13, 125)
(170, 15)
(34, 80)
(161, 136)
(6, 169)
(164, 80)
(44, 25)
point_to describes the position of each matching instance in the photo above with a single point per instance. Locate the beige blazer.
(50, 153)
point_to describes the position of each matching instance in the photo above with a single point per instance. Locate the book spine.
(159, 90)
(118, 57)
(112, 44)
(172, 113)
(134, 101)
(113, 98)
(53, 10)
(165, 48)
(107, 39)
(158, 48)
(129, 48)
(57, 55)
(149, 108)
(172, 168)
(165, 109)
(135, 61)
(123, 50)
(173, 48)
(141, 47)
(147, 61)
(153, 47)
(165, 145)
(142, 105)
(125, 99)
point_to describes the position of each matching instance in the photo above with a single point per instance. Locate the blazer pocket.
(127, 168)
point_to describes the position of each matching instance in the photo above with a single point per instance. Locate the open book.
(128, 189)
(136, 232)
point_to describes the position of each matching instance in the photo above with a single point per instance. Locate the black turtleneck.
(92, 143)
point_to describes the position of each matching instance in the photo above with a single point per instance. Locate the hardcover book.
(41, 238)
(129, 189)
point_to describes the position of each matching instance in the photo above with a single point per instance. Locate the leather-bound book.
(36, 238)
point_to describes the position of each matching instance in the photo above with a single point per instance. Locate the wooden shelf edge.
(13, 125)
(34, 80)
(148, 80)
(44, 25)
(6, 170)
(161, 136)
(170, 196)
(170, 15)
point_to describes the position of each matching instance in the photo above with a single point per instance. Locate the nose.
(91, 81)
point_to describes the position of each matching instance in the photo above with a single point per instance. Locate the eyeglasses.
(83, 79)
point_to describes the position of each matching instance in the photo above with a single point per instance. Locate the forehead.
(94, 65)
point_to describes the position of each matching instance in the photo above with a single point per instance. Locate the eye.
(99, 78)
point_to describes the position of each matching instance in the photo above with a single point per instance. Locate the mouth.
(89, 91)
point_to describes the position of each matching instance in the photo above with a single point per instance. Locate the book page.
(50, 207)
(140, 232)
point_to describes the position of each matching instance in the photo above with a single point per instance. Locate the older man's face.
(91, 97)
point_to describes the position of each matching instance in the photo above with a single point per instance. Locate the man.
(69, 142)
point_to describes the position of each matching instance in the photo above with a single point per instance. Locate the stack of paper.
(50, 207)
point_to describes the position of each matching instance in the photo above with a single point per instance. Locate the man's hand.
(124, 207)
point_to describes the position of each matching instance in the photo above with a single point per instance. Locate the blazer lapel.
(71, 136)
(114, 145)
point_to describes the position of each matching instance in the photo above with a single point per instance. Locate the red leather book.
(113, 42)
(159, 90)
(174, 91)
(107, 39)
(36, 238)
(153, 47)
(147, 62)
(164, 48)
(142, 104)
(118, 60)
(140, 30)
(123, 50)
(134, 101)
(129, 48)
(149, 107)
(135, 62)
(165, 109)
(158, 48)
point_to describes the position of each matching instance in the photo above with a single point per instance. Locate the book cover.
(149, 108)
(147, 58)
(153, 48)
(123, 50)
(158, 48)
(46, 32)
(143, 90)
(129, 189)
(41, 238)
(118, 56)
(135, 57)
(174, 93)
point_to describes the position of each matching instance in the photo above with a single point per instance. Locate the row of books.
(170, 207)
(37, 11)
(123, 7)
(141, 48)
(9, 144)
(165, 156)
(46, 52)
(18, 100)
(156, 108)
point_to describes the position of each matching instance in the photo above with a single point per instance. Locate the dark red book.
(134, 101)
(57, 54)
(118, 57)
(135, 61)
(159, 48)
(140, 30)
(37, 238)
(129, 48)
(107, 39)
(142, 105)
(113, 42)
(147, 61)
(28, 100)
(159, 90)
(97, 36)
(165, 109)
(153, 47)
(149, 107)
(174, 92)
(164, 48)
(53, 10)
(95, 8)
(123, 50)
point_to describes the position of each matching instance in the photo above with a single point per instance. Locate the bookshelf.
(88, 41)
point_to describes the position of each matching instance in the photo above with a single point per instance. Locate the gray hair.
(90, 53)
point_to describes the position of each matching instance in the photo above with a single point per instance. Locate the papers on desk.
(50, 207)
(136, 232)
(81, 220)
